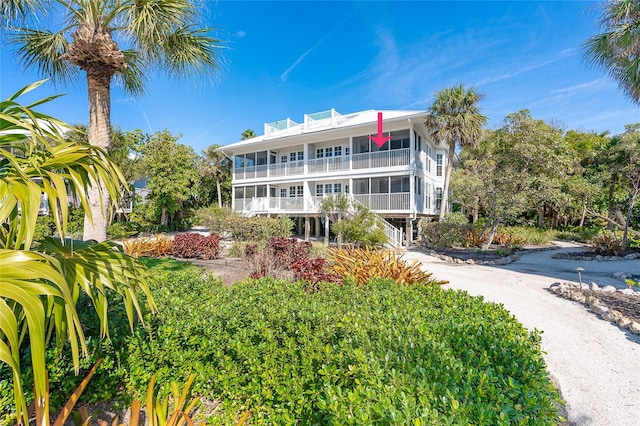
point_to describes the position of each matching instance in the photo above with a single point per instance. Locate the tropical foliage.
(454, 119)
(107, 40)
(39, 288)
(616, 48)
(375, 354)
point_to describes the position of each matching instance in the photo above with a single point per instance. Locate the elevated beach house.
(292, 166)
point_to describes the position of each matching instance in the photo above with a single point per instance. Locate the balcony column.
(408, 232)
(317, 226)
(350, 152)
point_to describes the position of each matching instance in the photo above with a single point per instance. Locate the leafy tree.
(247, 134)
(215, 167)
(521, 165)
(352, 221)
(454, 118)
(106, 39)
(171, 169)
(39, 288)
(616, 49)
(621, 160)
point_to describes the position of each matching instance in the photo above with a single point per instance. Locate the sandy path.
(596, 364)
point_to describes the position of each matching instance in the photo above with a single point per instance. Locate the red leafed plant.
(191, 244)
(287, 258)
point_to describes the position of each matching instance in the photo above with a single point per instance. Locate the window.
(261, 191)
(292, 191)
(337, 188)
(347, 151)
(400, 184)
(249, 192)
(346, 189)
(337, 151)
(380, 185)
(300, 189)
(328, 152)
(300, 155)
(427, 193)
(439, 164)
(327, 188)
(418, 184)
(401, 139)
(292, 156)
(319, 153)
(284, 159)
(272, 157)
(261, 158)
(361, 186)
(283, 192)
(360, 144)
(319, 190)
(438, 198)
(238, 193)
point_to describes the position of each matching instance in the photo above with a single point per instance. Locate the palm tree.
(617, 49)
(247, 134)
(454, 118)
(39, 288)
(216, 166)
(93, 39)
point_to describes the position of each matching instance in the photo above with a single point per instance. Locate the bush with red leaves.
(193, 245)
(287, 258)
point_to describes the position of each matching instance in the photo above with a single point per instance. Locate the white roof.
(336, 121)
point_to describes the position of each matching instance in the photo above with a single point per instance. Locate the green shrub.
(456, 218)
(218, 220)
(444, 235)
(379, 354)
(575, 233)
(260, 228)
(608, 243)
(529, 235)
(119, 230)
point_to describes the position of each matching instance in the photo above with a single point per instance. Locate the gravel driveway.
(596, 364)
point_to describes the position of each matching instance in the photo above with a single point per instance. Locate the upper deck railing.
(369, 160)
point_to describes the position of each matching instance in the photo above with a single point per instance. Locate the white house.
(288, 169)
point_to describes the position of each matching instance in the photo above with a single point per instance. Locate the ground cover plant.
(374, 354)
(343, 354)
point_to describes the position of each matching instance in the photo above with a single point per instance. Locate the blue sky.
(284, 59)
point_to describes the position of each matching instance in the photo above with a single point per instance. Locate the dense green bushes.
(378, 354)
(224, 221)
(345, 355)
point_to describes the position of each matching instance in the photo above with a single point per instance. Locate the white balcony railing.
(393, 158)
(375, 202)
(385, 202)
(380, 202)
(332, 164)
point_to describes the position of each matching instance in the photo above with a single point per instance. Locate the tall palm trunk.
(98, 83)
(447, 179)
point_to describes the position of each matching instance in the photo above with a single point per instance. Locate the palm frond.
(44, 50)
(189, 51)
(133, 78)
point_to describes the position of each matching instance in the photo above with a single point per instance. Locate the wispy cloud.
(240, 34)
(581, 88)
(285, 74)
(505, 76)
(206, 132)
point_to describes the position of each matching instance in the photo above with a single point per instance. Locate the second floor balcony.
(368, 160)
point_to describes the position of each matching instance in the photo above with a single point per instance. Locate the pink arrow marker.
(380, 140)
